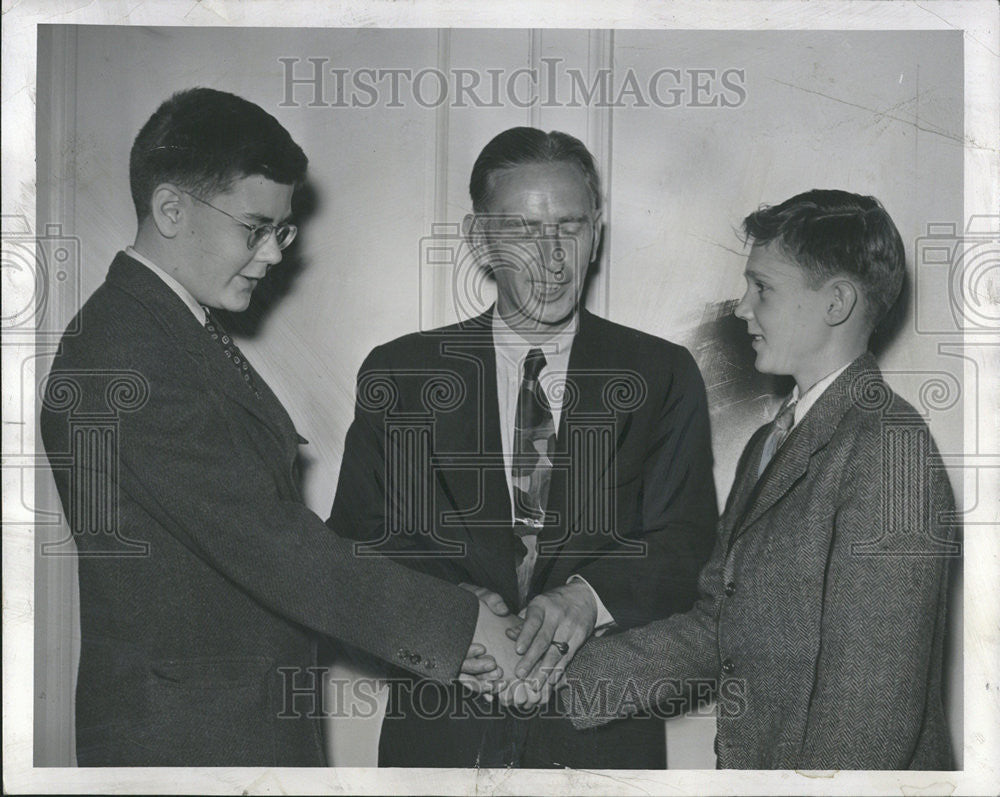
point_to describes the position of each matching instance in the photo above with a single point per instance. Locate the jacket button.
(730, 589)
(728, 667)
(414, 658)
(402, 654)
(430, 664)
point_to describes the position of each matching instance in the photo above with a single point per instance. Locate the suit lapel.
(470, 436)
(812, 434)
(173, 315)
(589, 367)
(268, 409)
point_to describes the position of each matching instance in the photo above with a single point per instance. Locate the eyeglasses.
(284, 234)
(515, 226)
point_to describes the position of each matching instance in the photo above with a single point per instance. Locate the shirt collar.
(183, 293)
(510, 346)
(804, 402)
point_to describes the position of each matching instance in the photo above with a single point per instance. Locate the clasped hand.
(512, 656)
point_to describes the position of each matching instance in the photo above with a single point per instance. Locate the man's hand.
(523, 695)
(492, 599)
(566, 614)
(491, 653)
(481, 667)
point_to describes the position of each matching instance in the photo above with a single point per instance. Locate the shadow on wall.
(279, 279)
(739, 397)
(888, 330)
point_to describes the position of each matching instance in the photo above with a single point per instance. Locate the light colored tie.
(781, 427)
(534, 442)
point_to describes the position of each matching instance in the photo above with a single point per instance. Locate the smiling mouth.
(548, 289)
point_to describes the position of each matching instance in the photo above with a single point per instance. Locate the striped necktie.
(781, 427)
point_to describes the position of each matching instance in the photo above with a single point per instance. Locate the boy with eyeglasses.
(204, 578)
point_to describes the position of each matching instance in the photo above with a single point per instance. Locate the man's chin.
(552, 323)
(555, 313)
(536, 319)
(559, 324)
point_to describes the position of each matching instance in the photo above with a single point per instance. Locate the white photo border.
(979, 23)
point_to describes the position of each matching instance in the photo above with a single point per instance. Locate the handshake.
(521, 658)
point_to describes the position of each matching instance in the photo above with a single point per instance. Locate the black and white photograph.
(547, 399)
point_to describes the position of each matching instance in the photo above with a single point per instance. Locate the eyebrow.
(260, 219)
(517, 217)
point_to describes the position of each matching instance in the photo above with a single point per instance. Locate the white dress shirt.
(511, 351)
(804, 402)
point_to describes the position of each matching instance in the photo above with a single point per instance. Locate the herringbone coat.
(822, 613)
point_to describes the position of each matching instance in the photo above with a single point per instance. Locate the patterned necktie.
(534, 442)
(781, 427)
(232, 352)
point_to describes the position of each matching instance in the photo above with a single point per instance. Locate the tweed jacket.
(633, 455)
(821, 620)
(204, 578)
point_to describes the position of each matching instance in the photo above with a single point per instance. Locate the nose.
(743, 310)
(554, 254)
(269, 252)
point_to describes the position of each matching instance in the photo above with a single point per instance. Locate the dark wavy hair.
(204, 140)
(831, 232)
(522, 145)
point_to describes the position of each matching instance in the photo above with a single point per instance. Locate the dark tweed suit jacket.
(822, 610)
(203, 576)
(633, 455)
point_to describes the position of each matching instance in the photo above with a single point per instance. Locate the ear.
(842, 299)
(468, 228)
(597, 232)
(167, 209)
(475, 236)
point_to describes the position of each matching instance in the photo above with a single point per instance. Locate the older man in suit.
(205, 581)
(552, 460)
(822, 612)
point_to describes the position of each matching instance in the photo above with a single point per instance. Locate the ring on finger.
(562, 647)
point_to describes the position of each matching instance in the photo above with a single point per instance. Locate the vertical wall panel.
(57, 611)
